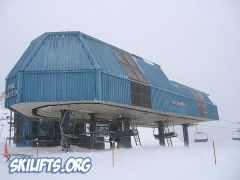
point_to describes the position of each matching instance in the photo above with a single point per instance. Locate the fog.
(196, 42)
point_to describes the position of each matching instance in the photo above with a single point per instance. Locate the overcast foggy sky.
(196, 42)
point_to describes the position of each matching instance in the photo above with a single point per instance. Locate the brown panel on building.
(201, 106)
(129, 65)
(141, 95)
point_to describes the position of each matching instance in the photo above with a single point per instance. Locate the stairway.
(169, 134)
(135, 133)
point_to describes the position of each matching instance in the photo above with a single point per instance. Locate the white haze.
(196, 42)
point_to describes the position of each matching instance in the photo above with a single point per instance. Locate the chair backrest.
(200, 137)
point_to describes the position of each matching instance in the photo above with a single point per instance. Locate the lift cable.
(216, 126)
(233, 122)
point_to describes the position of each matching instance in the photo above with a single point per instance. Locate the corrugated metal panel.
(68, 86)
(25, 57)
(182, 89)
(115, 89)
(10, 91)
(105, 57)
(212, 112)
(187, 91)
(170, 102)
(207, 99)
(60, 53)
(154, 74)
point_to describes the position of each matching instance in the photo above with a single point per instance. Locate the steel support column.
(125, 142)
(92, 131)
(185, 134)
(64, 127)
(161, 133)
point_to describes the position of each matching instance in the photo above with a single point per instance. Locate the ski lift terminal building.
(68, 88)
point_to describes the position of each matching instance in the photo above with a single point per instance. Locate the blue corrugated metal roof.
(155, 76)
(26, 55)
(104, 56)
(60, 53)
(182, 89)
(54, 52)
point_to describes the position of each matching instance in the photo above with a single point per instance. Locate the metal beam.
(92, 131)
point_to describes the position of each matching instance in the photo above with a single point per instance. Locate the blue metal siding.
(60, 53)
(162, 100)
(212, 112)
(11, 100)
(50, 87)
(105, 57)
(115, 89)
(187, 91)
(207, 99)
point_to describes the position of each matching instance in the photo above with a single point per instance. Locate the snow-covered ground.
(147, 162)
(4, 118)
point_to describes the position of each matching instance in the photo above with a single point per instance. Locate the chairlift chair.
(170, 134)
(236, 135)
(1, 132)
(200, 136)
